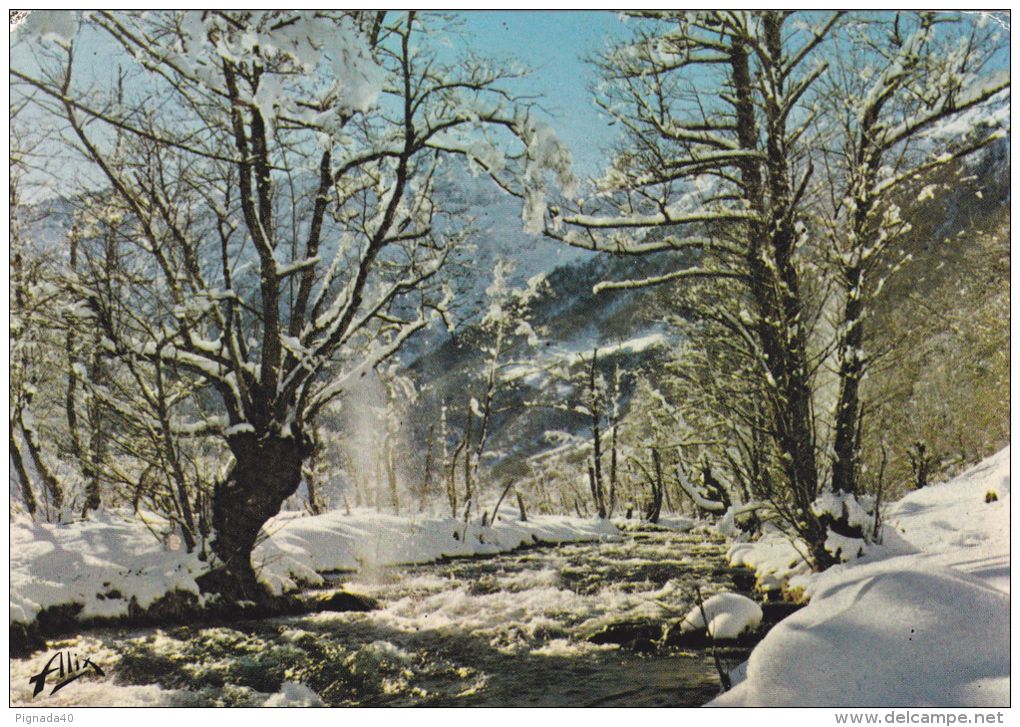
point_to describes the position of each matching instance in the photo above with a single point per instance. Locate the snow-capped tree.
(275, 171)
(32, 296)
(727, 129)
(899, 88)
(506, 341)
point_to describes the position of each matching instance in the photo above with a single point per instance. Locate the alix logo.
(69, 667)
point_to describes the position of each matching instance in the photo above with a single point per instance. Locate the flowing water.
(508, 630)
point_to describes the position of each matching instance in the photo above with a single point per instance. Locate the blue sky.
(554, 43)
(551, 43)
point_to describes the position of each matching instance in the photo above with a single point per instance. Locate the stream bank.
(559, 626)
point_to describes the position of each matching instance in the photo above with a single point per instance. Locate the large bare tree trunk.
(774, 283)
(315, 505)
(266, 472)
(846, 445)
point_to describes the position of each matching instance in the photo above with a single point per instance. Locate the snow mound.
(775, 558)
(954, 525)
(920, 621)
(293, 694)
(729, 615)
(902, 638)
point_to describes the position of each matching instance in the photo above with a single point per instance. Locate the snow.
(300, 547)
(696, 495)
(536, 370)
(95, 691)
(729, 615)
(545, 152)
(102, 564)
(239, 428)
(681, 523)
(111, 560)
(292, 694)
(920, 621)
(57, 26)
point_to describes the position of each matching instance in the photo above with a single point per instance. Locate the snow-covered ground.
(920, 621)
(101, 563)
(298, 548)
(109, 560)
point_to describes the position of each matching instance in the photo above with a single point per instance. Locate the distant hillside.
(571, 320)
(958, 271)
(942, 325)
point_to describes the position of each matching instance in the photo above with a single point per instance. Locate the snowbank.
(102, 563)
(292, 694)
(111, 560)
(921, 621)
(301, 547)
(679, 523)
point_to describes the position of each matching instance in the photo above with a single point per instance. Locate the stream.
(507, 630)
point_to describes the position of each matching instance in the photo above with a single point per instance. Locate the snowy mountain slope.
(627, 326)
(922, 621)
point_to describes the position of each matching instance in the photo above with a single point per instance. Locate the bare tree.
(726, 153)
(886, 119)
(32, 296)
(276, 170)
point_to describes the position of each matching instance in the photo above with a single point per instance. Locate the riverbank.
(114, 566)
(920, 620)
(510, 629)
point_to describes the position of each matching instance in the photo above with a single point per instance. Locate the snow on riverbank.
(110, 560)
(300, 547)
(101, 563)
(921, 621)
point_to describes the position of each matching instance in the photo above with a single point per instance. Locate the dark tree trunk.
(595, 470)
(22, 473)
(451, 480)
(426, 483)
(713, 488)
(655, 506)
(45, 474)
(613, 473)
(816, 533)
(96, 455)
(774, 281)
(520, 506)
(920, 464)
(596, 492)
(846, 446)
(391, 474)
(467, 459)
(266, 472)
(315, 505)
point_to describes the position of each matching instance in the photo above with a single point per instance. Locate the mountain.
(959, 242)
